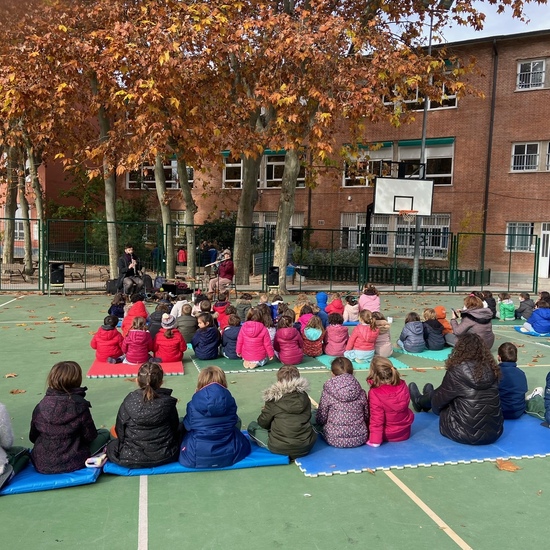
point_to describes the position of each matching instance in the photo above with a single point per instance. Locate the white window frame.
(144, 176)
(432, 152)
(532, 79)
(530, 159)
(268, 221)
(520, 237)
(416, 103)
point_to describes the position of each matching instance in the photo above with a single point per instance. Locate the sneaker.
(537, 391)
(522, 329)
(250, 364)
(111, 360)
(415, 396)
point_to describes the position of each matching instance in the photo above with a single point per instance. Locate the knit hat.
(226, 251)
(168, 321)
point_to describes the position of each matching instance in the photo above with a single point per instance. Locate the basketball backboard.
(392, 195)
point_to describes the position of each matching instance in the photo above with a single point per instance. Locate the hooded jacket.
(222, 317)
(147, 431)
(155, 322)
(6, 436)
(253, 342)
(337, 306)
(206, 342)
(512, 388)
(229, 342)
(107, 342)
(441, 316)
(61, 430)
(137, 309)
(335, 339)
(343, 411)
(390, 416)
(370, 302)
(433, 334)
(477, 321)
(187, 325)
(212, 439)
(169, 349)
(540, 320)
(289, 345)
(321, 298)
(469, 409)
(287, 414)
(383, 345)
(137, 345)
(313, 341)
(351, 313)
(362, 338)
(506, 310)
(412, 337)
(525, 309)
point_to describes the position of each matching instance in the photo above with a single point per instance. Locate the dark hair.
(111, 320)
(487, 294)
(306, 309)
(254, 314)
(149, 379)
(383, 372)
(543, 295)
(136, 298)
(411, 317)
(351, 300)
(284, 322)
(246, 296)
(234, 320)
(282, 308)
(341, 365)
(524, 295)
(335, 319)
(118, 299)
(199, 298)
(504, 296)
(287, 373)
(64, 376)
(542, 304)
(290, 313)
(230, 310)
(267, 317)
(205, 305)
(162, 307)
(370, 290)
(378, 316)
(470, 348)
(508, 352)
(222, 296)
(206, 318)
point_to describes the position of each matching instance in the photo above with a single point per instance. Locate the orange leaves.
(507, 465)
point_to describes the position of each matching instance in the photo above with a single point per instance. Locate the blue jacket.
(323, 315)
(540, 320)
(512, 389)
(322, 298)
(412, 337)
(212, 439)
(206, 342)
(229, 342)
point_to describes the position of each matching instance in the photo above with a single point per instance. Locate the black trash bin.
(57, 273)
(273, 276)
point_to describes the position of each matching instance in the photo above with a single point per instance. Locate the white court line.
(429, 512)
(143, 527)
(517, 336)
(14, 300)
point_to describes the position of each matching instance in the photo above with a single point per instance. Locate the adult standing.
(129, 267)
(226, 272)
(473, 318)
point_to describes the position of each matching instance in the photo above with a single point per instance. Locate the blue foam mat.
(258, 457)
(522, 438)
(518, 328)
(327, 360)
(30, 481)
(433, 355)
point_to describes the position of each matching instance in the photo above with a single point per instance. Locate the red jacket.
(362, 338)
(136, 310)
(336, 306)
(222, 318)
(169, 349)
(137, 345)
(253, 342)
(107, 342)
(390, 416)
(289, 345)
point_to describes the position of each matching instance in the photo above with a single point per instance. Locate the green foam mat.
(235, 366)
(434, 355)
(327, 360)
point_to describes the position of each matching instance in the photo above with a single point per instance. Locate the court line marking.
(14, 300)
(429, 512)
(143, 526)
(518, 335)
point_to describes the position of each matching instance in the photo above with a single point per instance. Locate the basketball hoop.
(408, 215)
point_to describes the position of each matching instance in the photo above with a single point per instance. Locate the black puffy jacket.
(433, 334)
(147, 431)
(469, 410)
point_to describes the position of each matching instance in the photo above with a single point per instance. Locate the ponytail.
(149, 379)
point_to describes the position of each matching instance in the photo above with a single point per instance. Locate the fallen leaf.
(20, 324)
(372, 472)
(10, 375)
(33, 316)
(48, 337)
(17, 391)
(418, 370)
(65, 318)
(539, 492)
(507, 465)
(51, 318)
(233, 382)
(54, 352)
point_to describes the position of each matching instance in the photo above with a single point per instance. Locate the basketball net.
(408, 215)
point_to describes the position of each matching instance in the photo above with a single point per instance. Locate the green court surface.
(465, 506)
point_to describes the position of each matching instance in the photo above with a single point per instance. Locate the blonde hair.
(315, 322)
(211, 375)
(429, 313)
(139, 323)
(287, 373)
(383, 372)
(365, 315)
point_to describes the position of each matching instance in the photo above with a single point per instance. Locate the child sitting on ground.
(539, 321)
(313, 337)
(229, 337)
(253, 343)
(288, 343)
(196, 309)
(370, 299)
(512, 386)
(267, 320)
(12, 459)
(213, 437)
(411, 338)
(390, 415)
(138, 342)
(351, 310)
(147, 424)
(336, 336)
(62, 428)
(490, 301)
(526, 307)
(219, 310)
(284, 425)
(136, 309)
(243, 305)
(343, 408)
(206, 340)
(506, 308)
(107, 341)
(301, 301)
(117, 305)
(276, 301)
(306, 313)
(360, 346)
(433, 331)
(186, 323)
(335, 304)
(155, 319)
(383, 345)
(169, 345)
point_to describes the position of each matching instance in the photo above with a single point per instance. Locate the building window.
(531, 74)
(144, 177)
(525, 156)
(18, 231)
(520, 236)
(233, 173)
(439, 161)
(363, 172)
(415, 102)
(268, 222)
(352, 224)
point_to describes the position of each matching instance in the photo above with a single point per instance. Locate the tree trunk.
(24, 206)
(34, 162)
(167, 229)
(245, 216)
(189, 219)
(11, 207)
(284, 214)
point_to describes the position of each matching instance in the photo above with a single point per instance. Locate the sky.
(502, 24)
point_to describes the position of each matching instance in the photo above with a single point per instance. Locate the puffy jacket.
(512, 388)
(313, 341)
(253, 342)
(362, 338)
(212, 439)
(222, 317)
(344, 412)
(243, 307)
(351, 313)
(287, 415)
(390, 416)
(433, 334)
(62, 429)
(321, 299)
(336, 306)
(289, 345)
(169, 349)
(187, 325)
(137, 345)
(107, 342)
(412, 337)
(492, 305)
(477, 321)
(383, 345)
(540, 320)
(229, 342)
(155, 322)
(370, 302)
(525, 309)
(137, 309)
(441, 316)
(335, 339)
(506, 310)
(147, 431)
(469, 409)
(206, 342)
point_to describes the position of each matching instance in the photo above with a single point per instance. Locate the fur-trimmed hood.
(281, 389)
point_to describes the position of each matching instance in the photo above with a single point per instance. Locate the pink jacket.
(362, 338)
(335, 340)
(370, 302)
(289, 345)
(253, 342)
(137, 345)
(390, 416)
(351, 313)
